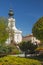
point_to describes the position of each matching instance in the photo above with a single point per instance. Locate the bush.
(11, 60)
(40, 51)
(6, 50)
(14, 50)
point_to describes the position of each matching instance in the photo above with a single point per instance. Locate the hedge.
(11, 60)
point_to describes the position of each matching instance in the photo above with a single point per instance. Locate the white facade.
(31, 38)
(17, 34)
(35, 41)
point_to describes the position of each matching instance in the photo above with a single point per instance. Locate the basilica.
(15, 35)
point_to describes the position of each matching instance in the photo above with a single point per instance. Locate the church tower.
(15, 35)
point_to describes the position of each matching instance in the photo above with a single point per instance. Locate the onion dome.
(11, 13)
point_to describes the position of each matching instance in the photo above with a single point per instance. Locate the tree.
(31, 47)
(37, 29)
(27, 47)
(23, 47)
(3, 31)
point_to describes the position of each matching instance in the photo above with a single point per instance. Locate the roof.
(30, 35)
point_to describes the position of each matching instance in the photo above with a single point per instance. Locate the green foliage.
(3, 32)
(24, 46)
(40, 50)
(6, 50)
(14, 50)
(27, 47)
(31, 46)
(11, 60)
(37, 29)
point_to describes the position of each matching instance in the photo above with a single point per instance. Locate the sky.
(26, 13)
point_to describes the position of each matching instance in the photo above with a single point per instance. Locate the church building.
(15, 35)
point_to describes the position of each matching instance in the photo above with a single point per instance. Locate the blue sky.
(26, 12)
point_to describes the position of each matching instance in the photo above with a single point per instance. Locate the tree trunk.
(25, 54)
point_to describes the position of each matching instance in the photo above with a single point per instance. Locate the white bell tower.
(15, 35)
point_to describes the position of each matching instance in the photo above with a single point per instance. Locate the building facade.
(31, 38)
